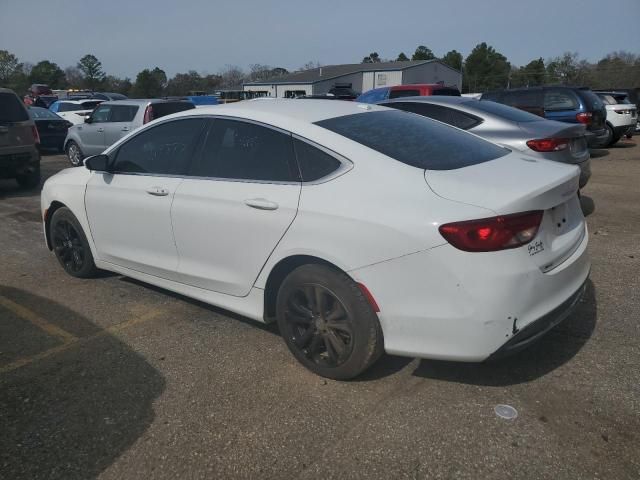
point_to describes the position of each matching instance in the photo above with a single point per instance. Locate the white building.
(360, 77)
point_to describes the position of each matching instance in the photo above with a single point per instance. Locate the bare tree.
(232, 76)
(310, 66)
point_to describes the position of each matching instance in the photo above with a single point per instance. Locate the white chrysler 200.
(358, 228)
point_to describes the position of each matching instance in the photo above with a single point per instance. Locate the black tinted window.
(504, 111)
(414, 140)
(557, 100)
(451, 92)
(40, 113)
(123, 113)
(164, 150)
(101, 114)
(11, 109)
(437, 112)
(314, 163)
(404, 93)
(246, 151)
(167, 108)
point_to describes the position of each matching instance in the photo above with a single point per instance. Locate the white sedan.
(74, 110)
(358, 228)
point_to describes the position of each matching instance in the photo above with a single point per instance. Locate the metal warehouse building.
(359, 76)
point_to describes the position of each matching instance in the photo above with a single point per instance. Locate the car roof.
(444, 99)
(276, 110)
(139, 101)
(79, 101)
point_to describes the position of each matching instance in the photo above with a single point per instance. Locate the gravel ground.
(113, 379)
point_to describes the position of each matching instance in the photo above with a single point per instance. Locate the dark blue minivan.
(560, 103)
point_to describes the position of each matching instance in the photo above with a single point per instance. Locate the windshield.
(504, 111)
(414, 140)
(11, 109)
(38, 112)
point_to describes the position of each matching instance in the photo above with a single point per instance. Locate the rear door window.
(162, 109)
(557, 100)
(123, 113)
(11, 109)
(314, 163)
(246, 151)
(165, 149)
(414, 140)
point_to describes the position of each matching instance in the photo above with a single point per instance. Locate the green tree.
(183, 83)
(8, 67)
(48, 73)
(373, 57)
(160, 76)
(148, 85)
(486, 69)
(117, 85)
(74, 77)
(453, 59)
(532, 74)
(402, 57)
(91, 69)
(423, 53)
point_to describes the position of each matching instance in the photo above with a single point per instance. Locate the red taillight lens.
(36, 135)
(495, 233)
(148, 114)
(584, 117)
(548, 144)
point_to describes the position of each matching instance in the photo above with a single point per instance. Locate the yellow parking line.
(151, 314)
(39, 322)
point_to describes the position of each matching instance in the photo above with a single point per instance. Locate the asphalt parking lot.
(114, 379)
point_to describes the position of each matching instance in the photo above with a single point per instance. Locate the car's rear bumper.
(452, 305)
(596, 138)
(18, 161)
(585, 172)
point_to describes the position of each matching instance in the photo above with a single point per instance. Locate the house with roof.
(360, 77)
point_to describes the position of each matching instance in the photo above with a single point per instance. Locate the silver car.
(513, 128)
(111, 121)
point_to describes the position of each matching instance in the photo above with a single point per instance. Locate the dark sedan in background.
(51, 128)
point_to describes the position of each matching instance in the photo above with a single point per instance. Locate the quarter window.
(246, 151)
(162, 150)
(314, 163)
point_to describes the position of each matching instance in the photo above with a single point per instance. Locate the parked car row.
(357, 228)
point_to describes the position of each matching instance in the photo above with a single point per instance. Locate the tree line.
(486, 69)
(483, 69)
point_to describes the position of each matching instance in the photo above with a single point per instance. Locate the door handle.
(100, 130)
(125, 129)
(261, 204)
(158, 191)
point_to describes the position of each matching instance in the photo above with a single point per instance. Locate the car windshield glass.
(90, 105)
(37, 112)
(11, 109)
(414, 140)
(504, 111)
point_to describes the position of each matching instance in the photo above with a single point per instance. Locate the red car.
(415, 90)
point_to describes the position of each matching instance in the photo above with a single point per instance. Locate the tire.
(610, 136)
(29, 180)
(70, 244)
(339, 344)
(74, 154)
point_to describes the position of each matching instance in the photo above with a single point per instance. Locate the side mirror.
(97, 163)
(87, 119)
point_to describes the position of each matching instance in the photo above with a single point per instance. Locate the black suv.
(19, 157)
(560, 103)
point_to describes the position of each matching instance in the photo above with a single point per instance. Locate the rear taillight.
(148, 114)
(36, 135)
(495, 233)
(548, 144)
(584, 117)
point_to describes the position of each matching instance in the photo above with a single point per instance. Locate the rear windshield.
(414, 140)
(592, 100)
(451, 92)
(11, 109)
(404, 93)
(38, 112)
(504, 111)
(167, 108)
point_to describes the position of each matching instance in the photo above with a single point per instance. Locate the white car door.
(129, 210)
(230, 213)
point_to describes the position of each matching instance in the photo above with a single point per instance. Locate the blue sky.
(177, 36)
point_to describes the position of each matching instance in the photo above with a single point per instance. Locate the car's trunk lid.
(552, 129)
(515, 184)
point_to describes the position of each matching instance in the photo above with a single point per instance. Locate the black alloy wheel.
(70, 244)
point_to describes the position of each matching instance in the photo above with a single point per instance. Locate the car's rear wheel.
(610, 136)
(29, 180)
(74, 153)
(327, 322)
(70, 244)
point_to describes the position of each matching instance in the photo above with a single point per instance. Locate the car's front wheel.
(327, 322)
(70, 244)
(74, 154)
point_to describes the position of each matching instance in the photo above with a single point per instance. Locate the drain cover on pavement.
(506, 411)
